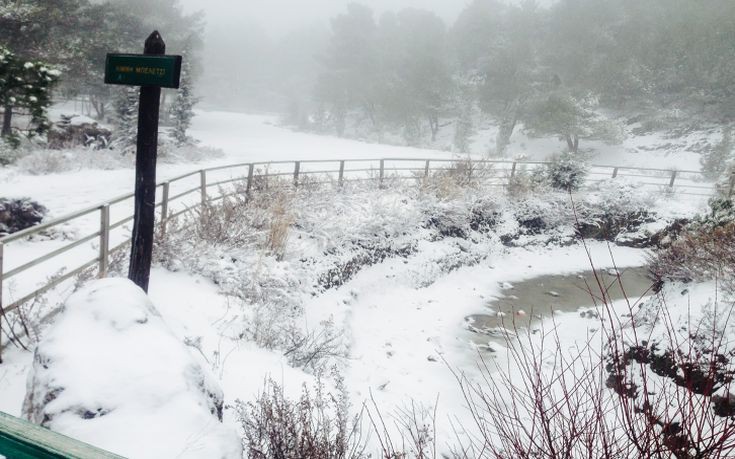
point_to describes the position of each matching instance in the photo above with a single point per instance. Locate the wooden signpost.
(151, 71)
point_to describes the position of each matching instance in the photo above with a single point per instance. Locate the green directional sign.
(143, 70)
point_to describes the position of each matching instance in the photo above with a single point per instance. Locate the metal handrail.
(248, 176)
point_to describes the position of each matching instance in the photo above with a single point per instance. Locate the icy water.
(527, 302)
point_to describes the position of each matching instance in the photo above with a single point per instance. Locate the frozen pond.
(527, 302)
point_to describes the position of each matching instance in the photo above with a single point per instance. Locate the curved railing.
(59, 254)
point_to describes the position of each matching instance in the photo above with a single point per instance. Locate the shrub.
(705, 250)
(316, 426)
(454, 181)
(647, 385)
(715, 161)
(566, 172)
(43, 162)
(673, 378)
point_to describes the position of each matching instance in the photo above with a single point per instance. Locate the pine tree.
(126, 114)
(182, 110)
(25, 86)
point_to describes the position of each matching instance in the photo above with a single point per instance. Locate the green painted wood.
(143, 70)
(21, 439)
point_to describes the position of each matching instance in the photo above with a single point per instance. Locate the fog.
(417, 72)
(278, 17)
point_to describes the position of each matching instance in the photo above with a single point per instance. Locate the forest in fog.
(570, 69)
(564, 70)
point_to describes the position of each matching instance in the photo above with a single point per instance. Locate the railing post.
(382, 171)
(341, 180)
(673, 179)
(203, 180)
(251, 168)
(104, 239)
(164, 207)
(513, 170)
(2, 311)
(427, 168)
(615, 172)
(296, 170)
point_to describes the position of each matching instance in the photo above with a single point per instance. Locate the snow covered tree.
(571, 119)
(25, 88)
(419, 72)
(350, 77)
(496, 51)
(126, 117)
(715, 161)
(182, 109)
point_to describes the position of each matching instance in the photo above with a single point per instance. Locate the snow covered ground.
(402, 334)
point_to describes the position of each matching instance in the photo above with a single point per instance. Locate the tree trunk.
(434, 125)
(99, 107)
(7, 121)
(507, 126)
(572, 142)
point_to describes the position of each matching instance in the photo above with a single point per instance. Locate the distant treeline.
(550, 68)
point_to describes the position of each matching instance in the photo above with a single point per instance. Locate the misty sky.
(280, 16)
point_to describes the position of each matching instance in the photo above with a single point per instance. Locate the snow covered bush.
(455, 179)
(19, 214)
(524, 182)
(566, 172)
(705, 250)
(46, 161)
(671, 367)
(650, 380)
(9, 154)
(615, 207)
(715, 160)
(316, 426)
(108, 371)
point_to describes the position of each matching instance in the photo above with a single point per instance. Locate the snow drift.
(111, 373)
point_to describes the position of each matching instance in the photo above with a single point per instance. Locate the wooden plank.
(104, 240)
(21, 439)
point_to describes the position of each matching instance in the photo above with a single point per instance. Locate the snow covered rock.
(74, 131)
(109, 372)
(19, 214)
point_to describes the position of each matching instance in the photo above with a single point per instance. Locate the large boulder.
(109, 372)
(19, 214)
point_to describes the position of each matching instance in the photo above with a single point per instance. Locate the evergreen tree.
(25, 87)
(126, 114)
(571, 119)
(182, 109)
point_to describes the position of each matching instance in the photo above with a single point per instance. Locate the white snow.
(402, 320)
(109, 372)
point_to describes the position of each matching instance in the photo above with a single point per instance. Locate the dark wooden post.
(145, 174)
